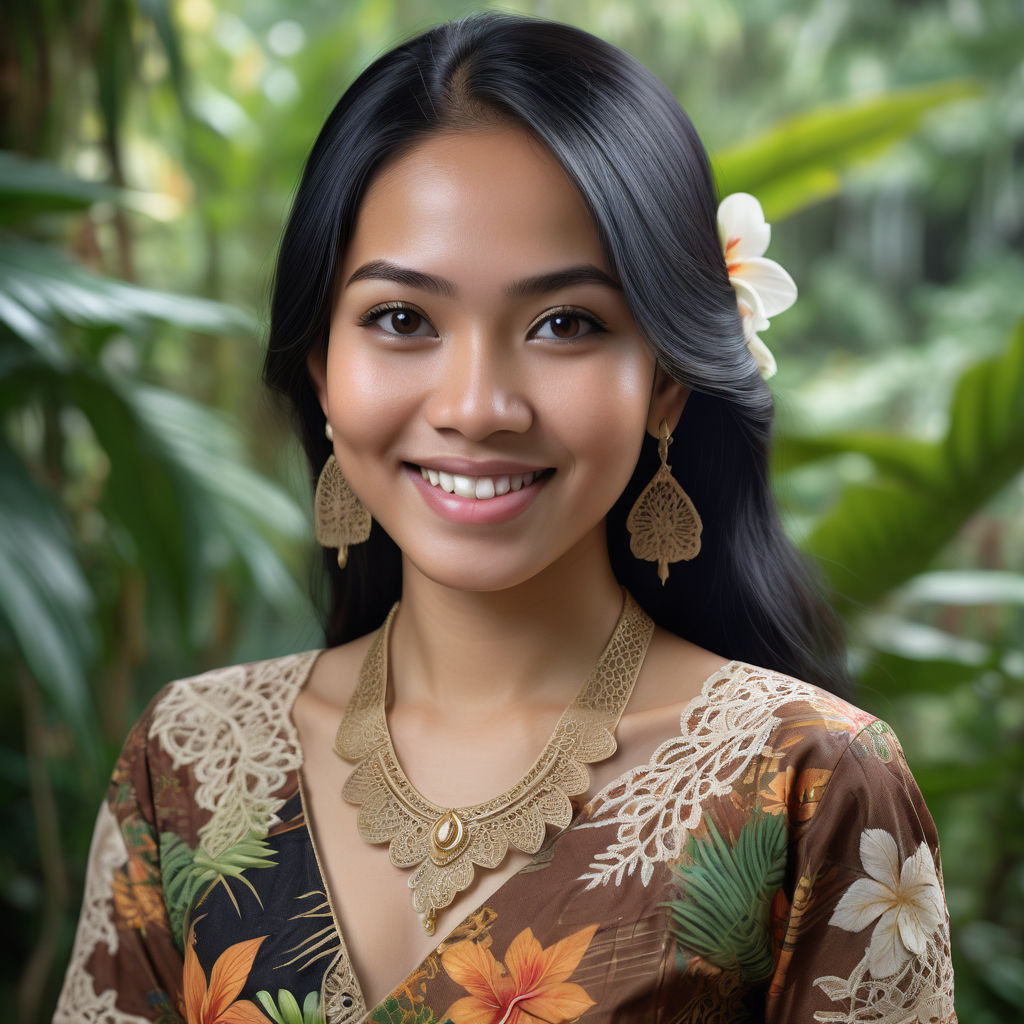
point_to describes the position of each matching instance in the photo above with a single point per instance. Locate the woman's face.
(486, 383)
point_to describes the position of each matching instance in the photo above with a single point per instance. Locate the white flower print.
(906, 902)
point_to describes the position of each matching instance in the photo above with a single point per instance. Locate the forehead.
(480, 208)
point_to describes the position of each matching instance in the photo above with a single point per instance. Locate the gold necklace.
(444, 843)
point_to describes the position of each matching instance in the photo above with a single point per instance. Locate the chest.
(371, 897)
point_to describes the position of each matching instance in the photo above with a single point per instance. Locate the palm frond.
(725, 892)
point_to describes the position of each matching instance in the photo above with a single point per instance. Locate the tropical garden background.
(154, 515)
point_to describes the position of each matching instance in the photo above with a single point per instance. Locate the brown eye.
(405, 321)
(565, 326)
(568, 325)
(398, 320)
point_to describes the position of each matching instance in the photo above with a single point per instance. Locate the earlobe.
(316, 366)
(667, 402)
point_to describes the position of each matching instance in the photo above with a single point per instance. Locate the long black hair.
(637, 161)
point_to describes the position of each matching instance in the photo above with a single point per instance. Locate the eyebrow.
(539, 284)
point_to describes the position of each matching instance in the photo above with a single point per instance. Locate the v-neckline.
(686, 713)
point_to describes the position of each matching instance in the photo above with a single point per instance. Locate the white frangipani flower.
(906, 901)
(762, 287)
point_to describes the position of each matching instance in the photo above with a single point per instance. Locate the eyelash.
(597, 325)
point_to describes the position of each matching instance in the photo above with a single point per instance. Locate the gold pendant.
(445, 845)
(448, 838)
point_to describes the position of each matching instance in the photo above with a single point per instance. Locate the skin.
(477, 377)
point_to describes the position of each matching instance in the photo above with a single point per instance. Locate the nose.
(479, 388)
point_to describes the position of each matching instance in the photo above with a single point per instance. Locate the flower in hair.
(762, 287)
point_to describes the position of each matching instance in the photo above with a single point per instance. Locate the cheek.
(606, 409)
(367, 399)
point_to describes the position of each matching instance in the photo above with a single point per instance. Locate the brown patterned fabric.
(772, 861)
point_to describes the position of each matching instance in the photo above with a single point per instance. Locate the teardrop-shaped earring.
(663, 524)
(339, 517)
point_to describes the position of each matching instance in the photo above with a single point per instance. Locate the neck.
(474, 651)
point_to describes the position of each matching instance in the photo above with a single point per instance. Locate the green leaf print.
(286, 1010)
(186, 871)
(252, 852)
(178, 882)
(391, 1011)
(725, 894)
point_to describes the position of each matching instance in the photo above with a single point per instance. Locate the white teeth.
(479, 487)
(465, 486)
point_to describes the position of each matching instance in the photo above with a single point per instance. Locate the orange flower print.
(216, 1004)
(138, 897)
(798, 794)
(530, 988)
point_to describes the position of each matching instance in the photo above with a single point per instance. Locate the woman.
(501, 297)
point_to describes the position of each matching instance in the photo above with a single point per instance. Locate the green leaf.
(725, 895)
(914, 664)
(391, 1011)
(41, 284)
(180, 883)
(964, 587)
(311, 1010)
(179, 486)
(269, 1006)
(905, 458)
(289, 1007)
(252, 852)
(31, 187)
(46, 603)
(958, 777)
(880, 534)
(799, 160)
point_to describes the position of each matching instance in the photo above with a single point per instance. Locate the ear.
(667, 401)
(316, 365)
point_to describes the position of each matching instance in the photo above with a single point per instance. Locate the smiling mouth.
(480, 487)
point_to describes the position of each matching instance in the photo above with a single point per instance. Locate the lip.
(475, 511)
(484, 467)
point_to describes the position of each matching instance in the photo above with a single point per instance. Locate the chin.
(473, 576)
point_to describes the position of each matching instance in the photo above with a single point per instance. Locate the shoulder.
(231, 704)
(805, 748)
(216, 753)
(786, 712)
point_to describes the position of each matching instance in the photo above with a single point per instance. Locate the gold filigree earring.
(340, 518)
(663, 524)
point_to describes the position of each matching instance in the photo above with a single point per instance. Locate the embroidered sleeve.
(866, 935)
(125, 967)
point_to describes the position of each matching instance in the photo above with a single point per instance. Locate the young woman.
(574, 749)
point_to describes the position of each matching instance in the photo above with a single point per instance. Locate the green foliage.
(179, 881)
(46, 602)
(287, 1010)
(725, 894)
(31, 187)
(882, 532)
(393, 1011)
(251, 852)
(802, 160)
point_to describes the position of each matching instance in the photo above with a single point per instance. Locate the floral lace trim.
(656, 807)
(79, 1001)
(905, 974)
(921, 991)
(232, 727)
